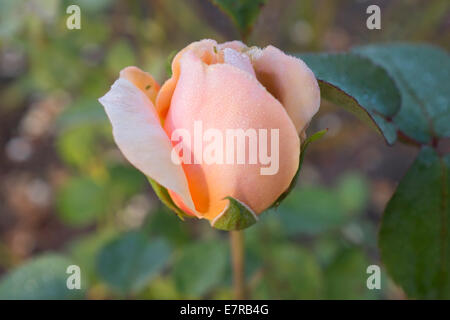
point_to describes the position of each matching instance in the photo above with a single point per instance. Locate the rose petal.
(225, 97)
(289, 80)
(165, 94)
(235, 45)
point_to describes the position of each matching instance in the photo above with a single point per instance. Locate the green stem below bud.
(237, 260)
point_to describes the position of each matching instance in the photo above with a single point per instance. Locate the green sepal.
(164, 196)
(236, 217)
(312, 138)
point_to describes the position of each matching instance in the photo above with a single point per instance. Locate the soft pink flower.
(225, 86)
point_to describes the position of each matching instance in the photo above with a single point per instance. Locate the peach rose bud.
(219, 139)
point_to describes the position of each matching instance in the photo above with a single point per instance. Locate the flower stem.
(237, 259)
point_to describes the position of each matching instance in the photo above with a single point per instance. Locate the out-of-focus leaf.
(83, 111)
(161, 288)
(346, 276)
(257, 236)
(90, 42)
(84, 250)
(55, 66)
(290, 273)
(123, 183)
(163, 223)
(120, 55)
(199, 267)
(80, 201)
(360, 86)
(131, 260)
(243, 13)
(91, 6)
(327, 247)
(414, 238)
(311, 210)
(80, 145)
(421, 72)
(93, 87)
(352, 191)
(44, 277)
(76, 146)
(223, 293)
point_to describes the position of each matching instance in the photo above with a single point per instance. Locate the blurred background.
(67, 196)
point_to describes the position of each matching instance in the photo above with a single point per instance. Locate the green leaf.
(414, 237)
(123, 183)
(80, 201)
(352, 191)
(44, 277)
(305, 144)
(360, 86)
(236, 216)
(243, 13)
(131, 260)
(421, 72)
(199, 267)
(120, 55)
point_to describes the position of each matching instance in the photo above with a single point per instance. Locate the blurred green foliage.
(131, 260)
(43, 278)
(243, 13)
